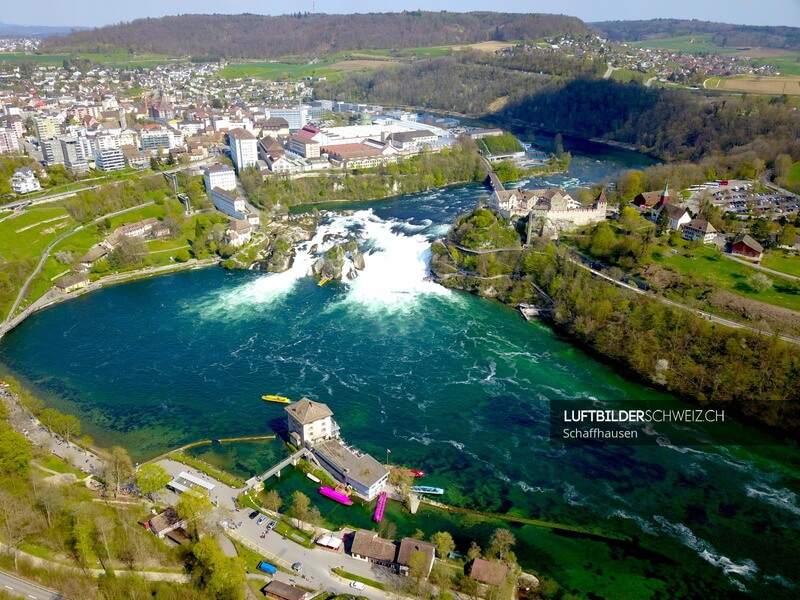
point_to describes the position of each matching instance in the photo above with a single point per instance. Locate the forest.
(723, 34)
(668, 124)
(750, 374)
(259, 36)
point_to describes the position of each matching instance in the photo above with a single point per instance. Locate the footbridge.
(276, 469)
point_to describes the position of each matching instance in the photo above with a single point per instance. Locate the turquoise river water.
(452, 384)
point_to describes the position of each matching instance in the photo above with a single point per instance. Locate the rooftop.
(367, 543)
(307, 411)
(488, 572)
(360, 468)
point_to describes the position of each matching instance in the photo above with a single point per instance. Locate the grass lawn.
(251, 558)
(627, 75)
(56, 464)
(116, 59)
(783, 262)
(32, 241)
(354, 577)
(794, 174)
(276, 70)
(707, 266)
(146, 212)
(691, 44)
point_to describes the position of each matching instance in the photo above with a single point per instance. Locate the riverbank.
(666, 346)
(52, 297)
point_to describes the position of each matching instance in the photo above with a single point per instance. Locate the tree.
(500, 543)
(150, 478)
(220, 576)
(602, 240)
(417, 568)
(15, 454)
(66, 426)
(788, 235)
(300, 505)
(273, 501)
(474, 551)
(444, 543)
(193, 505)
(662, 222)
(759, 282)
(16, 521)
(118, 469)
(441, 576)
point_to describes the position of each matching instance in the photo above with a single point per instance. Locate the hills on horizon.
(261, 36)
(13, 30)
(725, 35)
(251, 36)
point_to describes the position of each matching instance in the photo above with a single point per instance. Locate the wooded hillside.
(259, 36)
(724, 34)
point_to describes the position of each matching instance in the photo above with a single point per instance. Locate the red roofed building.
(744, 245)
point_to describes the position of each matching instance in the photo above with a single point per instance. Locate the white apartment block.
(228, 203)
(244, 148)
(9, 142)
(219, 176)
(24, 181)
(111, 159)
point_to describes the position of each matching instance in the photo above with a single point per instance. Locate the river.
(450, 383)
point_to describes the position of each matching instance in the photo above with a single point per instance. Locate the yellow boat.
(323, 281)
(281, 399)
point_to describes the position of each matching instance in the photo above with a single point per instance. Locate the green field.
(785, 263)
(627, 75)
(276, 70)
(785, 65)
(115, 59)
(706, 265)
(34, 240)
(691, 44)
(794, 175)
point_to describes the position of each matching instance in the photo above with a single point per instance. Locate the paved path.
(708, 316)
(25, 589)
(760, 268)
(59, 239)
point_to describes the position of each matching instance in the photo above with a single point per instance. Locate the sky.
(95, 13)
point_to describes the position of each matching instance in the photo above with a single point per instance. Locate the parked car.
(261, 520)
(253, 514)
(357, 585)
(297, 567)
(271, 525)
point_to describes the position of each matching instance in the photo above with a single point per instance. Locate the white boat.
(313, 477)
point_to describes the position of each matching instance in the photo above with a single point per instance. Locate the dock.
(531, 311)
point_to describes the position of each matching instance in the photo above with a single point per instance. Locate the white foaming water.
(747, 568)
(395, 273)
(395, 267)
(783, 498)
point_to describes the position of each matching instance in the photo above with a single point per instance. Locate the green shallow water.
(452, 384)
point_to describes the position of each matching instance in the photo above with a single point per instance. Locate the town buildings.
(699, 229)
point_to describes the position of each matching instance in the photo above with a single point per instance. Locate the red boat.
(417, 473)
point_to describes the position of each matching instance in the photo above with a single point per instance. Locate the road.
(46, 255)
(697, 311)
(317, 562)
(31, 591)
